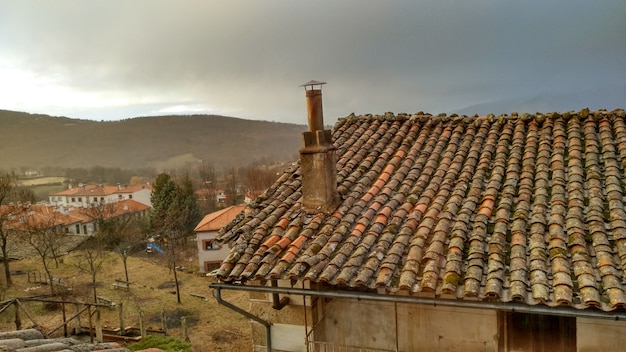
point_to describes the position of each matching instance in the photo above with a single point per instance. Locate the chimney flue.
(314, 105)
(317, 157)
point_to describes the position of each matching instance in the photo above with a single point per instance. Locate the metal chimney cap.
(312, 83)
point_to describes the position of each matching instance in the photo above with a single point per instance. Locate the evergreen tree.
(175, 207)
(187, 204)
(175, 213)
(163, 197)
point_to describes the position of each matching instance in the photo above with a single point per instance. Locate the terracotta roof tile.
(218, 219)
(526, 208)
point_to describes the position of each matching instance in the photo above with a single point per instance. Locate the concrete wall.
(143, 196)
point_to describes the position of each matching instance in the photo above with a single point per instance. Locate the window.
(80, 199)
(77, 228)
(85, 229)
(210, 266)
(73, 199)
(130, 196)
(101, 199)
(537, 332)
(210, 245)
(120, 197)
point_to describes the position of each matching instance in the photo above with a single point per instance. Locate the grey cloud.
(249, 57)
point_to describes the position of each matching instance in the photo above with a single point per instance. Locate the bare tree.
(7, 213)
(133, 231)
(231, 186)
(113, 229)
(91, 261)
(43, 233)
(257, 179)
(208, 181)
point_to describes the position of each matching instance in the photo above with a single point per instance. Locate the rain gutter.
(367, 296)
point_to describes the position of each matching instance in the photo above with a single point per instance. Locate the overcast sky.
(110, 59)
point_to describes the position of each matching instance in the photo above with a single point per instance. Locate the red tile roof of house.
(132, 188)
(525, 208)
(100, 190)
(46, 216)
(218, 219)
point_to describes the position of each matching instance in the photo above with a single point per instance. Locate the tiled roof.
(101, 190)
(87, 190)
(49, 216)
(526, 208)
(133, 188)
(218, 219)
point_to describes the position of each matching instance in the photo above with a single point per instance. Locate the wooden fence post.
(90, 324)
(183, 324)
(142, 325)
(18, 319)
(64, 320)
(163, 322)
(98, 326)
(120, 309)
(77, 327)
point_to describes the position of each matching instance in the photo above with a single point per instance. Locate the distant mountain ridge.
(36, 140)
(609, 98)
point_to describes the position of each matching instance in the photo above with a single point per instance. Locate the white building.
(210, 253)
(87, 195)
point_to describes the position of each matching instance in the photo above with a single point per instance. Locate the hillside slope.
(33, 140)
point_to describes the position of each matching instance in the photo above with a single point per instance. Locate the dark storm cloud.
(247, 58)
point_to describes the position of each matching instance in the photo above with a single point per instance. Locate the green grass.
(166, 343)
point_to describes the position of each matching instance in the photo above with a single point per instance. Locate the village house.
(70, 220)
(439, 233)
(76, 224)
(219, 196)
(86, 195)
(210, 252)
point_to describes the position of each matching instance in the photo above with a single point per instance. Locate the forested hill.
(36, 141)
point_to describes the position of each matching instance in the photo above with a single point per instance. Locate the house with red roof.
(86, 195)
(72, 223)
(401, 232)
(210, 252)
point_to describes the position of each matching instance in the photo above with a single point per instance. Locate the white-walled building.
(68, 219)
(210, 253)
(87, 195)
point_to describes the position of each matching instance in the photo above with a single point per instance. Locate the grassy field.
(211, 327)
(40, 181)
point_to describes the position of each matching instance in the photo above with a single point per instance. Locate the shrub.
(166, 343)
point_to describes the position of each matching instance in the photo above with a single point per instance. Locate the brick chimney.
(317, 157)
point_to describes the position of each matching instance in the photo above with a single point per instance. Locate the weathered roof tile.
(525, 208)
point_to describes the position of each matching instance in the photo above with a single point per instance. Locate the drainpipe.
(277, 302)
(268, 334)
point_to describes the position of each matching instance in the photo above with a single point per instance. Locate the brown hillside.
(34, 141)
